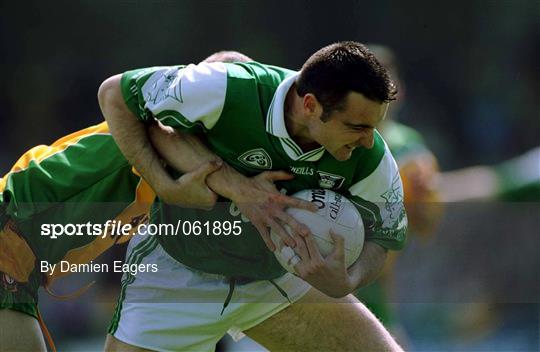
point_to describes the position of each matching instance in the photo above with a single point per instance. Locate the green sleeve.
(130, 85)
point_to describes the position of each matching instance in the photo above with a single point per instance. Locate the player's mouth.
(344, 153)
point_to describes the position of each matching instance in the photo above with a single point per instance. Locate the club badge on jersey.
(257, 158)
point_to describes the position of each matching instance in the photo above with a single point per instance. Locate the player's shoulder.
(254, 72)
(260, 73)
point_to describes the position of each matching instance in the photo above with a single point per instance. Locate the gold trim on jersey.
(16, 258)
(42, 152)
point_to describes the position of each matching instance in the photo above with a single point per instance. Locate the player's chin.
(343, 153)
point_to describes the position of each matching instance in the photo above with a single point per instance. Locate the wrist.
(227, 182)
(163, 185)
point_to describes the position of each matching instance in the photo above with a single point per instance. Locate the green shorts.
(20, 297)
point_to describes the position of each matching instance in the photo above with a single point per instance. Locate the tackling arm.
(185, 152)
(132, 139)
(256, 197)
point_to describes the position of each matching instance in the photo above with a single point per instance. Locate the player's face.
(349, 128)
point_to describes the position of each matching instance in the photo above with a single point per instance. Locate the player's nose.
(368, 142)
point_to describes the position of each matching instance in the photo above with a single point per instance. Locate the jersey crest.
(257, 158)
(329, 181)
(163, 85)
(393, 206)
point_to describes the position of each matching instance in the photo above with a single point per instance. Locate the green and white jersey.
(239, 107)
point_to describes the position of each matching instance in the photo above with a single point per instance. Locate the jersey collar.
(275, 124)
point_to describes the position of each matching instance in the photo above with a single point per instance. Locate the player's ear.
(311, 105)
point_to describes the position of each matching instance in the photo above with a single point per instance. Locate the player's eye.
(359, 128)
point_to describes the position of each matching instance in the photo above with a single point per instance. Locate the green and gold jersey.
(239, 108)
(82, 178)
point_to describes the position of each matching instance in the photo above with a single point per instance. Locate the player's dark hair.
(335, 70)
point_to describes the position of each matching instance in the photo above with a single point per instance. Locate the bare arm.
(256, 197)
(186, 152)
(369, 266)
(330, 276)
(132, 139)
(471, 183)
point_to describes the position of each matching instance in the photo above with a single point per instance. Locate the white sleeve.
(383, 188)
(185, 96)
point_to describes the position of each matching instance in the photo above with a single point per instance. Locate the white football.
(335, 212)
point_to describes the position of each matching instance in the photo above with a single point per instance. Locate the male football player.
(318, 124)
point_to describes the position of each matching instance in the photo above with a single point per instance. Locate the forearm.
(130, 135)
(370, 264)
(185, 153)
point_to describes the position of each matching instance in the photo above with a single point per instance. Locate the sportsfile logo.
(111, 227)
(118, 228)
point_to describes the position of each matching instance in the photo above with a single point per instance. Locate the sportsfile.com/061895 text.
(117, 228)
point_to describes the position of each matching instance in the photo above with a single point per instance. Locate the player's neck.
(294, 122)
